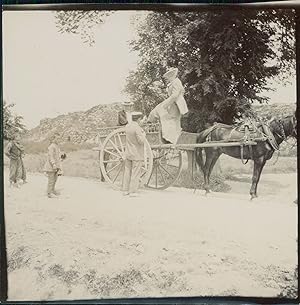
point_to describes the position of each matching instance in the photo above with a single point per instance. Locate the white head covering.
(171, 73)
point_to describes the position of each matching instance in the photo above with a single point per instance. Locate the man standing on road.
(169, 111)
(134, 152)
(53, 166)
(15, 153)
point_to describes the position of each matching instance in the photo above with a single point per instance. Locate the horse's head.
(295, 126)
(284, 128)
(288, 126)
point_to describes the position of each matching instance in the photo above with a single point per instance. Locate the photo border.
(165, 5)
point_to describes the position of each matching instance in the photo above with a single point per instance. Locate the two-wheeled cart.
(162, 163)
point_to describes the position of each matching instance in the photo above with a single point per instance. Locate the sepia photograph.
(150, 153)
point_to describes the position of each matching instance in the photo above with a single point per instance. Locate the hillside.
(275, 110)
(77, 127)
(81, 127)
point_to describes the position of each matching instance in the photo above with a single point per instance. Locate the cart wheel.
(105, 157)
(112, 159)
(167, 164)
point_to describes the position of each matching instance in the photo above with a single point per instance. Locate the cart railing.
(152, 130)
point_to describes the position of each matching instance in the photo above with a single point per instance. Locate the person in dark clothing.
(15, 152)
(124, 116)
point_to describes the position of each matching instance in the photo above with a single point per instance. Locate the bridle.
(282, 134)
(294, 123)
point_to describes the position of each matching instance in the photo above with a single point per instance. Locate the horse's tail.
(199, 158)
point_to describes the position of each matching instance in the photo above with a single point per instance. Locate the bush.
(217, 183)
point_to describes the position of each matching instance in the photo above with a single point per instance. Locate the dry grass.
(85, 163)
(41, 147)
(231, 167)
(18, 258)
(217, 183)
(68, 277)
(81, 163)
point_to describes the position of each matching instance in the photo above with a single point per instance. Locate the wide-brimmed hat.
(171, 73)
(136, 115)
(127, 103)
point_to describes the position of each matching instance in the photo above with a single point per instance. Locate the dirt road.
(94, 243)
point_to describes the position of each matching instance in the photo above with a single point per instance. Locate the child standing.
(52, 166)
(135, 138)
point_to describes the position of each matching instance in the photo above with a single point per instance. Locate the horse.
(279, 130)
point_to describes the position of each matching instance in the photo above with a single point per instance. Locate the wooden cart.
(163, 162)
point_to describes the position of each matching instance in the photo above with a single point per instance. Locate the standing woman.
(53, 166)
(170, 111)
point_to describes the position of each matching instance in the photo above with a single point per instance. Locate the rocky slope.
(82, 127)
(77, 127)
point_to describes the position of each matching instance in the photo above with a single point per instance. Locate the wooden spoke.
(151, 174)
(167, 171)
(111, 161)
(120, 140)
(144, 171)
(156, 175)
(168, 163)
(110, 152)
(162, 175)
(115, 146)
(171, 165)
(117, 174)
(113, 168)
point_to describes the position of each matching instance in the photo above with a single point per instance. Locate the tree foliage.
(225, 58)
(12, 123)
(80, 23)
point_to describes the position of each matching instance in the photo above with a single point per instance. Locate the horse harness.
(250, 131)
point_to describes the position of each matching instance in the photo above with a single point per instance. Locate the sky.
(46, 73)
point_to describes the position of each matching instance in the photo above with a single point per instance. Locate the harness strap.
(242, 155)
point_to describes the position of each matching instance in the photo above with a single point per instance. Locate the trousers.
(52, 178)
(132, 174)
(16, 170)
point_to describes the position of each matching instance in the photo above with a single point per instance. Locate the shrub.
(217, 182)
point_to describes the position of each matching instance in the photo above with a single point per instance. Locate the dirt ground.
(94, 243)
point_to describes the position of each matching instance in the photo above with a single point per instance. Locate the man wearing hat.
(169, 112)
(124, 116)
(134, 155)
(15, 152)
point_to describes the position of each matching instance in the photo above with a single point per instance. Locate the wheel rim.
(112, 159)
(167, 164)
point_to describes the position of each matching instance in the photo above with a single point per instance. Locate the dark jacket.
(14, 150)
(122, 118)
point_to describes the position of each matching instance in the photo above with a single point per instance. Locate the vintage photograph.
(150, 153)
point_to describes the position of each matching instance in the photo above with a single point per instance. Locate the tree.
(80, 23)
(225, 58)
(12, 123)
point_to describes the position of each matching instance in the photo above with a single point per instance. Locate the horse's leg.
(214, 158)
(257, 169)
(259, 175)
(207, 168)
(211, 159)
